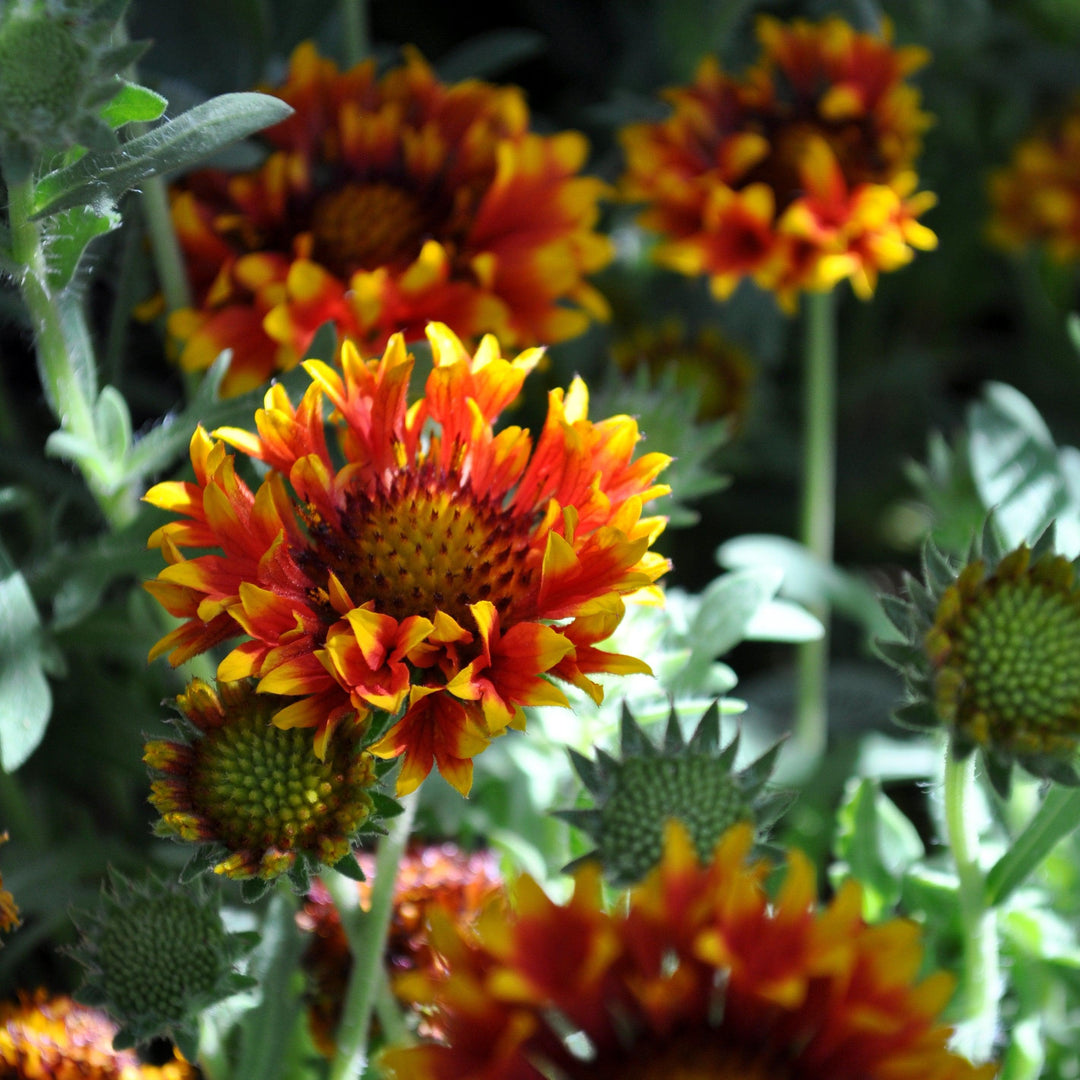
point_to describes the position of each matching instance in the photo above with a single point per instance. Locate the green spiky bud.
(693, 782)
(59, 67)
(156, 956)
(41, 65)
(991, 654)
(258, 798)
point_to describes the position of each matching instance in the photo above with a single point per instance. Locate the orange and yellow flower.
(386, 203)
(1036, 199)
(430, 876)
(699, 975)
(53, 1038)
(408, 559)
(797, 176)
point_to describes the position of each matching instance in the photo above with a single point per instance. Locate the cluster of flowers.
(797, 175)
(405, 578)
(386, 204)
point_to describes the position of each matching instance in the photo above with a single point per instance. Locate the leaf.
(133, 104)
(99, 178)
(781, 620)
(112, 423)
(878, 843)
(808, 580)
(25, 697)
(1014, 463)
(727, 606)
(68, 238)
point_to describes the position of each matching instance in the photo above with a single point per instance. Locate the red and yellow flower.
(699, 975)
(430, 876)
(385, 204)
(53, 1038)
(1036, 198)
(799, 175)
(408, 559)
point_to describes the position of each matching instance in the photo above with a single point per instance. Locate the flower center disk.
(365, 226)
(704, 1055)
(263, 787)
(426, 544)
(1018, 651)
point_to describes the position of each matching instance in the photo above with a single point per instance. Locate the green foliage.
(25, 699)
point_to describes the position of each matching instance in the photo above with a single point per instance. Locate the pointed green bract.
(58, 74)
(157, 955)
(991, 654)
(695, 782)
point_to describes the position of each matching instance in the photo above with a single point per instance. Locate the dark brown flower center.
(365, 226)
(428, 543)
(702, 1055)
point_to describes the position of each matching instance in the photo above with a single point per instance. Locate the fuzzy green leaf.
(25, 697)
(133, 104)
(99, 178)
(69, 236)
(728, 605)
(112, 422)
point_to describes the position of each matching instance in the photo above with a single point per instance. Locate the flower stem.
(66, 361)
(818, 510)
(59, 370)
(1054, 820)
(366, 933)
(355, 20)
(982, 980)
(168, 260)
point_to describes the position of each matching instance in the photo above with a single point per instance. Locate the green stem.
(366, 933)
(65, 354)
(818, 510)
(982, 980)
(69, 400)
(1058, 816)
(168, 258)
(354, 18)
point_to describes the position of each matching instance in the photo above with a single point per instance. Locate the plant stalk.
(367, 933)
(66, 361)
(818, 511)
(354, 18)
(982, 976)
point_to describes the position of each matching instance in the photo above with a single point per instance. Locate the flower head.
(991, 653)
(407, 559)
(698, 975)
(157, 955)
(430, 876)
(383, 204)
(719, 374)
(637, 793)
(53, 1038)
(799, 175)
(254, 795)
(1036, 198)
